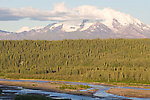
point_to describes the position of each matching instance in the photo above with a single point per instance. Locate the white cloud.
(60, 7)
(62, 13)
(23, 29)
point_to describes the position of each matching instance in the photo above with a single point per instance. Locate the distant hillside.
(119, 60)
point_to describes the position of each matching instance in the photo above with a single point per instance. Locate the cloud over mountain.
(59, 13)
(62, 13)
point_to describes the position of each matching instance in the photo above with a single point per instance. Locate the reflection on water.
(99, 95)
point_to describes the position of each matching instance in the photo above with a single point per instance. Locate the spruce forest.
(97, 60)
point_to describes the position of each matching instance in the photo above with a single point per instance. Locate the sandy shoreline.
(49, 86)
(130, 92)
(136, 85)
(115, 84)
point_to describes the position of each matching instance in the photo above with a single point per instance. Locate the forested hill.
(125, 60)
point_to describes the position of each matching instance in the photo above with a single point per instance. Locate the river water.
(99, 95)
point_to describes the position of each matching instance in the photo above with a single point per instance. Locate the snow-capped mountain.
(113, 24)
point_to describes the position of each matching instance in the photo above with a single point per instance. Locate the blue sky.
(27, 16)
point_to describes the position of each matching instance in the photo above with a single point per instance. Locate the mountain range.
(113, 26)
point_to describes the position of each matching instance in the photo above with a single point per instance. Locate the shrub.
(84, 86)
(0, 91)
(31, 97)
(68, 87)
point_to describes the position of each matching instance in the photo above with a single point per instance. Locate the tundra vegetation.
(97, 60)
(34, 97)
(0, 91)
(31, 97)
(74, 87)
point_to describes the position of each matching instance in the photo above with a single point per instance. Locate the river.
(99, 95)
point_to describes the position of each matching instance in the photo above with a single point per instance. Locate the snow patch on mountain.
(86, 26)
(23, 29)
(55, 25)
(1, 31)
(70, 26)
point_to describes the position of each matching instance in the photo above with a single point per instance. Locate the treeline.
(107, 60)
